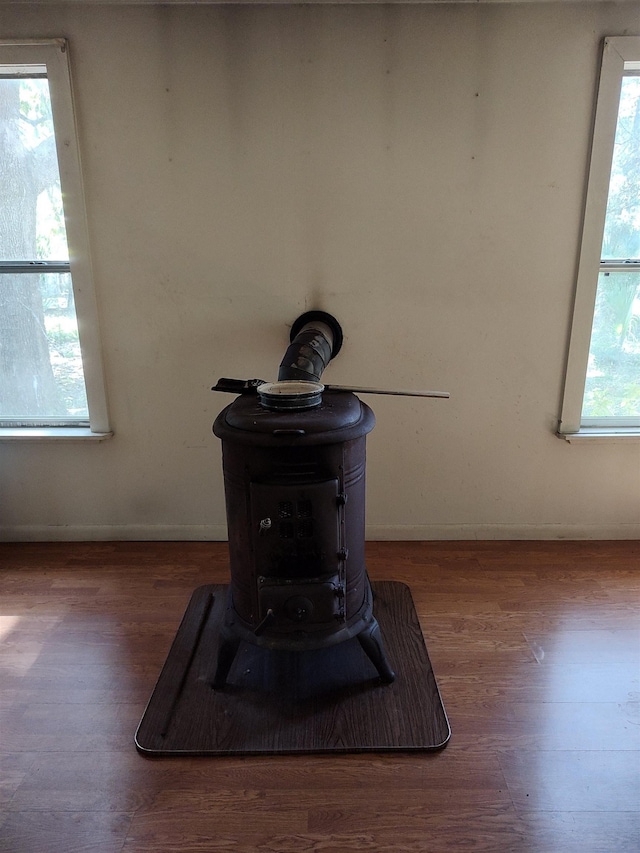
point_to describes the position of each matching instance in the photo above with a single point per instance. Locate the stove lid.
(340, 416)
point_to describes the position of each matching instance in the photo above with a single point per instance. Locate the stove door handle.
(264, 624)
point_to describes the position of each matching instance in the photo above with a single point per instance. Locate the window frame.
(619, 54)
(54, 55)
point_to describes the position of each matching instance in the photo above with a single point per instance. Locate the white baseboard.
(114, 533)
(400, 532)
(495, 532)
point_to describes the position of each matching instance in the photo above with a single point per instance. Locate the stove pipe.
(316, 338)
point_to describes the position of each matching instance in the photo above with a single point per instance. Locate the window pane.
(622, 225)
(613, 375)
(29, 178)
(41, 374)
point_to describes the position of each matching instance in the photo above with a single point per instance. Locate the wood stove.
(294, 472)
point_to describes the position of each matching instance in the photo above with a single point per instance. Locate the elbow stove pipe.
(316, 338)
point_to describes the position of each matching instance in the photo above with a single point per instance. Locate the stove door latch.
(264, 623)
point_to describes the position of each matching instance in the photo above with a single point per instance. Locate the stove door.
(296, 530)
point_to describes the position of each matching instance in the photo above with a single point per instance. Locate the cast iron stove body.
(295, 498)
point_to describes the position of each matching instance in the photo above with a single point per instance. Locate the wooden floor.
(535, 647)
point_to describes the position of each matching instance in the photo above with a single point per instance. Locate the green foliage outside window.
(613, 377)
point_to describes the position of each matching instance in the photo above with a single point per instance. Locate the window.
(50, 361)
(602, 390)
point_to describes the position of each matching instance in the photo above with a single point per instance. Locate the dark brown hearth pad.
(326, 701)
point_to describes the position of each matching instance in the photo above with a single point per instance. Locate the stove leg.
(226, 655)
(371, 641)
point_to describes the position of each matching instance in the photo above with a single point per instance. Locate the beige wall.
(416, 170)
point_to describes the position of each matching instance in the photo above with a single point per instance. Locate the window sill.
(611, 435)
(52, 434)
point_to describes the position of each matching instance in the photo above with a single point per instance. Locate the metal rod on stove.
(359, 390)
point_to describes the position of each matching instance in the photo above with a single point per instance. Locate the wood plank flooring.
(535, 647)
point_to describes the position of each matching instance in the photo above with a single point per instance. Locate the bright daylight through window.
(603, 376)
(613, 374)
(48, 376)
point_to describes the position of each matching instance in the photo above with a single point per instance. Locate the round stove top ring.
(290, 395)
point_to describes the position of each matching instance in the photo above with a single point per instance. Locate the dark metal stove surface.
(295, 493)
